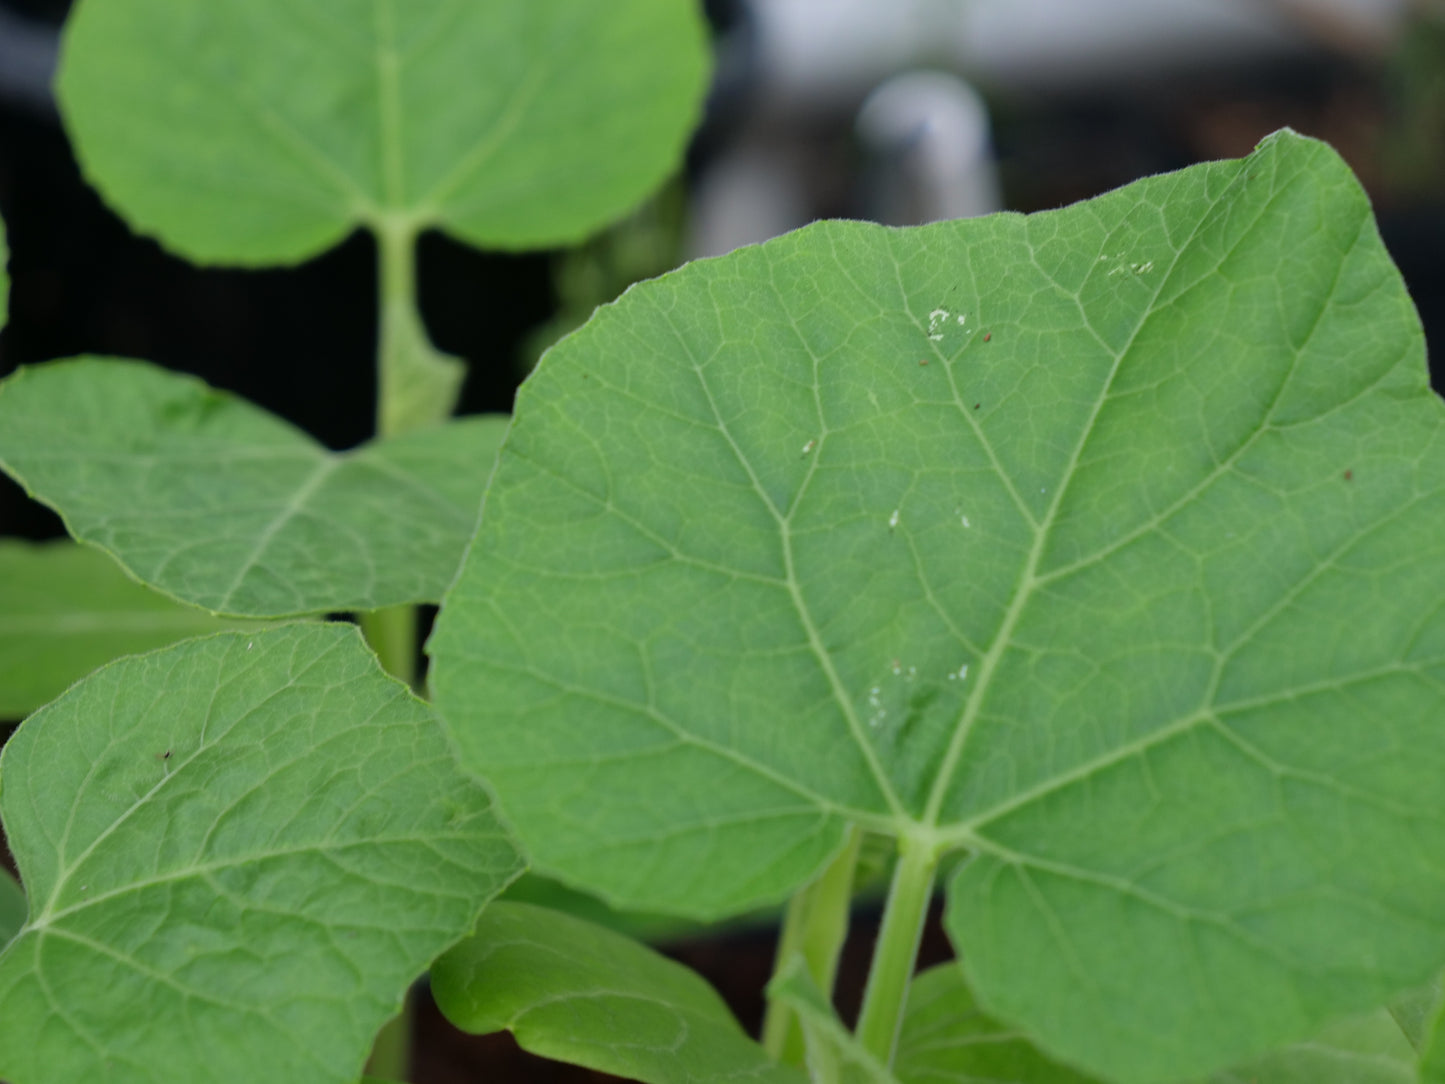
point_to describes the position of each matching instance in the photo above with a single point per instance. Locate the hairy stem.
(896, 950)
(815, 926)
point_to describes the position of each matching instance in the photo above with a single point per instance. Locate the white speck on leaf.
(935, 338)
(893, 520)
(964, 521)
(810, 446)
(962, 674)
(961, 317)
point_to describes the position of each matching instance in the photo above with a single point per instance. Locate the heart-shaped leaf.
(256, 131)
(1103, 544)
(66, 609)
(578, 992)
(239, 852)
(217, 503)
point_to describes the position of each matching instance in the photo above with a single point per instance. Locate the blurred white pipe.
(926, 135)
(28, 52)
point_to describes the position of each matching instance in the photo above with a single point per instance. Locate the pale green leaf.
(834, 1055)
(215, 502)
(577, 992)
(1104, 544)
(12, 907)
(66, 609)
(947, 1039)
(239, 851)
(254, 131)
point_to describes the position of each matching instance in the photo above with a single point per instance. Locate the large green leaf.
(947, 1039)
(66, 609)
(253, 131)
(219, 504)
(577, 992)
(1103, 543)
(239, 852)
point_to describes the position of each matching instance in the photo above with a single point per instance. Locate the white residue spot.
(1142, 268)
(250, 644)
(961, 318)
(875, 705)
(936, 317)
(897, 667)
(912, 672)
(961, 675)
(893, 520)
(935, 338)
(964, 521)
(809, 446)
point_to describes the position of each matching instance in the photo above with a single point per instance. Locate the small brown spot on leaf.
(1349, 475)
(987, 335)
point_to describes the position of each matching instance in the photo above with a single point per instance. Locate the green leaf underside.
(213, 501)
(66, 609)
(254, 131)
(574, 991)
(1130, 590)
(253, 905)
(834, 1054)
(947, 1039)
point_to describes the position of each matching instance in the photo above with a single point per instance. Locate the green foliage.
(1092, 556)
(220, 504)
(578, 992)
(833, 1053)
(1101, 543)
(239, 852)
(262, 131)
(66, 609)
(946, 1037)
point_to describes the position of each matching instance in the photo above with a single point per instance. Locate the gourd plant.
(1091, 552)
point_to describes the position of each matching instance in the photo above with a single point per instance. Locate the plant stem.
(896, 950)
(417, 385)
(815, 926)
